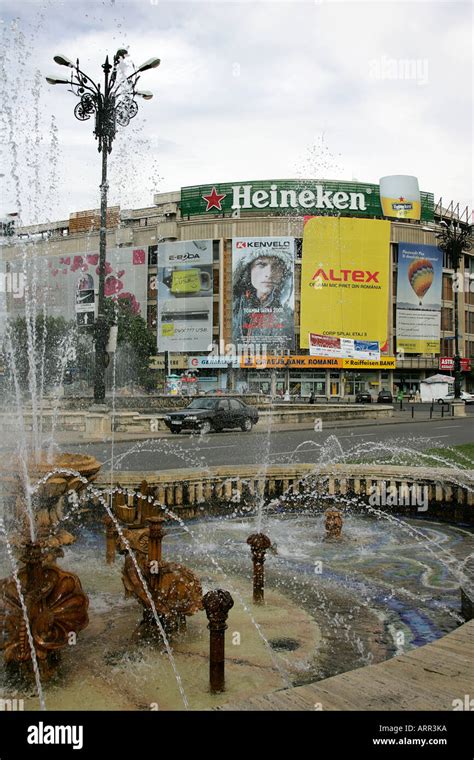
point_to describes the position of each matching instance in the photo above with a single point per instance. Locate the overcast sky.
(245, 90)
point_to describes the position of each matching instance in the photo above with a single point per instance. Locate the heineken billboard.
(292, 197)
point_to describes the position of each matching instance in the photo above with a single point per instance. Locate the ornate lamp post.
(453, 240)
(113, 104)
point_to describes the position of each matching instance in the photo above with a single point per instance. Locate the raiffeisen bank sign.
(289, 197)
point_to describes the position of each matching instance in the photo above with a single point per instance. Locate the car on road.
(217, 413)
(468, 398)
(384, 397)
(364, 397)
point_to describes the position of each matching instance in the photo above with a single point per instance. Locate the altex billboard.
(345, 279)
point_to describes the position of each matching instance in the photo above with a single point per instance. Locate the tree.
(44, 350)
(133, 331)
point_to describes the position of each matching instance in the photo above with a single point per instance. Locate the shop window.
(152, 287)
(469, 321)
(152, 255)
(216, 282)
(447, 287)
(447, 262)
(446, 347)
(469, 264)
(151, 317)
(446, 318)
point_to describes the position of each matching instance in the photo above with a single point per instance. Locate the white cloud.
(244, 90)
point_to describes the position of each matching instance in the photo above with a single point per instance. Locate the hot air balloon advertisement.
(421, 276)
(419, 280)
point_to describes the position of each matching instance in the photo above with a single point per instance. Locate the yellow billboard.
(345, 279)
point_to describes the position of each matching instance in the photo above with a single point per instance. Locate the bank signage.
(213, 362)
(290, 197)
(304, 361)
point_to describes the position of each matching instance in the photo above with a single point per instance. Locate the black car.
(364, 397)
(385, 397)
(206, 414)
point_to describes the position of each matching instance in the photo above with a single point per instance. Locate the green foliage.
(59, 335)
(49, 336)
(133, 331)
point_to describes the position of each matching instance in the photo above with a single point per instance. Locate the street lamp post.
(453, 240)
(112, 105)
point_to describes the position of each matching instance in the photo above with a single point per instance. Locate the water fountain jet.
(259, 543)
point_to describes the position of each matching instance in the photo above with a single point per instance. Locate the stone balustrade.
(191, 491)
(92, 424)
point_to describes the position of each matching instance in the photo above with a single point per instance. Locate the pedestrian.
(312, 398)
(417, 396)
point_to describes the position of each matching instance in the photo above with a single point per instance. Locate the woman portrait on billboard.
(263, 298)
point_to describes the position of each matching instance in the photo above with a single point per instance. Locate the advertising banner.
(447, 363)
(185, 296)
(345, 279)
(68, 285)
(306, 196)
(213, 362)
(303, 361)
(419, 283)
(343, 348)
(400, 196)
(263, 300)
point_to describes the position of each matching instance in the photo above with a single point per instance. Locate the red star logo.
(401, 199)
(214, 200)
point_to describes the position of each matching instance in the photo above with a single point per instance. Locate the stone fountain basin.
(106, 672)
(57, 485)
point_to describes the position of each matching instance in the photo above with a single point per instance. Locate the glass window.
(223, 405)
(152, 255)
(203, 403)
(235, 405)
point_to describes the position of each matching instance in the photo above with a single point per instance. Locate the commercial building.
(273, 213)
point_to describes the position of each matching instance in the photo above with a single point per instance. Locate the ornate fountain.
(333, 524)
(49, 598)
(174, 589)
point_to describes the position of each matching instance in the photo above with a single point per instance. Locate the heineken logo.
(245, 197)
(299, 197)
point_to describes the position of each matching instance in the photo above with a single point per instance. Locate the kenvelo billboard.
(263, 295)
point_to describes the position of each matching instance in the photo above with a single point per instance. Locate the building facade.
(223, 213)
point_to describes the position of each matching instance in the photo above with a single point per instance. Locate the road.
(305, 445)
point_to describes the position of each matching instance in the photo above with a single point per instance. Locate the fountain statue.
(333, 524)
(175, 591)
(41, 605)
